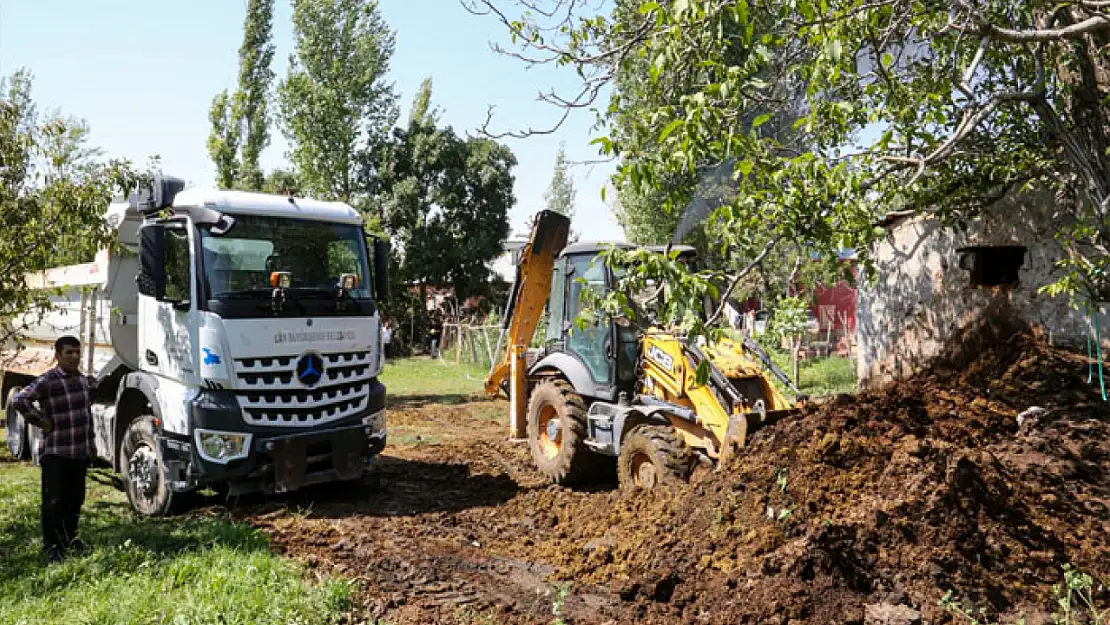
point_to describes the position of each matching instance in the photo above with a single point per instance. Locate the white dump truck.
(233, 339)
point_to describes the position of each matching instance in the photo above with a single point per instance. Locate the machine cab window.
(177, 266)
(590, 342)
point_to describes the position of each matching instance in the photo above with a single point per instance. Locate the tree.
(282, 182)
(335, 102)
(223, 141)
(641, 87)
(54, 190)
(422, 111)
(240, 123)
(444, 199)
(966, 103)
(560, 195)
(474, 223)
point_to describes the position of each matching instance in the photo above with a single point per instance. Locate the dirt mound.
(984, 481)
(983, 476)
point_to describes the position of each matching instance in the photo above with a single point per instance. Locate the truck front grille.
(271, 394)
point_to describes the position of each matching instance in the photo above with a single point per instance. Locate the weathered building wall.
(922, 297)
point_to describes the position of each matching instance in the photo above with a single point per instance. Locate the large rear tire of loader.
(557, 432)
(653, 455)
(16, 427)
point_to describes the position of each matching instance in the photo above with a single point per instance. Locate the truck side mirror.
(381, 269)
(152, 264)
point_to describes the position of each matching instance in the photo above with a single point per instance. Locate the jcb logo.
(661, 358)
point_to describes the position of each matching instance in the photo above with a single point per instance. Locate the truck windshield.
(239, 262)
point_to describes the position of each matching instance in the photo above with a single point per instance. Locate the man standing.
(64, 417)
(435, 327)
(387, 336)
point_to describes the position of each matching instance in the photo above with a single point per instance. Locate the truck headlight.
(376, 422)
(222, 447)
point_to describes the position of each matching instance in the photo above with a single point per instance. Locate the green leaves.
(560, 195)
(701, 374)
(240, 123)
(335, 101)
(669, 128)
(444, 200)
(827, 107)
(52, 214)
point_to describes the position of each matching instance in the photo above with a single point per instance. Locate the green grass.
(187, 570)
(820, 376)
(828, 375)
(424, 376)
(450, 383)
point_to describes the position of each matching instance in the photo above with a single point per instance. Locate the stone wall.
(922, 298)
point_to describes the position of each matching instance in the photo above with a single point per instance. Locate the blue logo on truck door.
(211, 359)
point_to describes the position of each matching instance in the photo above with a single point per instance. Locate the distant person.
(435, 328)
(387, 336)
(65, 399)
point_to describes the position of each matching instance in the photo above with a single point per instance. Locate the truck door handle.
(151, 358)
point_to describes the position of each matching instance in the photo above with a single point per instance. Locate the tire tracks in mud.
(440, 542)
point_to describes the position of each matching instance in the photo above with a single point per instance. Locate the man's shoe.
(51, 555)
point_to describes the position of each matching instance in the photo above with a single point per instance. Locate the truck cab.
(235, 340)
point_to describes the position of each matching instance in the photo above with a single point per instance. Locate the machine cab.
(607, 350)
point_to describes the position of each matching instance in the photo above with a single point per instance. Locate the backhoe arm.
(528, 295)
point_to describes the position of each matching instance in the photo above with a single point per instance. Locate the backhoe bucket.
(742, 426)
(735, 437)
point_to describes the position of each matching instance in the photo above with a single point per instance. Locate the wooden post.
(472, 343)
(90, 341)
(518, 394)
(83, 319)
(458, 345)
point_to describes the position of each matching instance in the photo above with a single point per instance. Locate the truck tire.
(16, 427)
(653, 455)
(143, 472)
(557, 432)
(34, 435)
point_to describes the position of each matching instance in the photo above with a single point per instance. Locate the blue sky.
(143, 74)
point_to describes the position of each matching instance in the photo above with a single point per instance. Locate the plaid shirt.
(65, 402)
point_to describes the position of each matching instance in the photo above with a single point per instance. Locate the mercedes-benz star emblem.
(310, 369)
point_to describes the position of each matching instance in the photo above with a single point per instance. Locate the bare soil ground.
(889, 497)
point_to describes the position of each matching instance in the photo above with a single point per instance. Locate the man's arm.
(22, 402)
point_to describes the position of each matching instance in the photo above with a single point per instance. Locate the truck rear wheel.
(557, 432)
(34, 435)
(16, 428)
(143, 472)
(653, 455)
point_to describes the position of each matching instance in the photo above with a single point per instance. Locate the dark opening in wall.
(992, 265)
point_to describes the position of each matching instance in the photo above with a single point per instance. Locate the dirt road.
(460, 529)
(885, 500)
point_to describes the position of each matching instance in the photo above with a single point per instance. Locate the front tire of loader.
(557, 432)
(652, 456)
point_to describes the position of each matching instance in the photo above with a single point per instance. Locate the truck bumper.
(280, 460)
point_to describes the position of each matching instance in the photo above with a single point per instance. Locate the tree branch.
(596, 62)
(1096, 22)
(971, 119)
(732, 284)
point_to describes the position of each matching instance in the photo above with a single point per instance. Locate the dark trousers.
(63, 494)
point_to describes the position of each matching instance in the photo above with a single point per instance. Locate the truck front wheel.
(143, 471)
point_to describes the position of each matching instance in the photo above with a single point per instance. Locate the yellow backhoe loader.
(610, 390)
